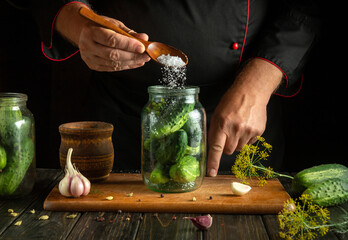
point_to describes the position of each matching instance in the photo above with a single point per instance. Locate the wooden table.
(123, 225)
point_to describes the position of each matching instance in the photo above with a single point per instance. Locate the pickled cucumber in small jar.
(17, 146)
(173, 139)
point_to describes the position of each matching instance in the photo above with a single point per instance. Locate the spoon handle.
(90, 15)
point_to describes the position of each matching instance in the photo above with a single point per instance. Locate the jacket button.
(234, 46)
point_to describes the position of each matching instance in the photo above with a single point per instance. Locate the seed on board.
(32, 211)
(10, 210)
(130, 194)
(44, 217)
(162, 196)
(13, 214)
(194, 199)
(211, 197)
(72, 216)
(109, 198)
(18, 223)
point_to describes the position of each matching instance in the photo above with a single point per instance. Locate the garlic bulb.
(201, 222)
(74, 184)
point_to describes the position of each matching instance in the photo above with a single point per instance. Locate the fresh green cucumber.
(329, 193)
(320, 173)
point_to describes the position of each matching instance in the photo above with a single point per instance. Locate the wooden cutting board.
(268, 199)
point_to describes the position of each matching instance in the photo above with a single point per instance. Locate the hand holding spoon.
(153, 49)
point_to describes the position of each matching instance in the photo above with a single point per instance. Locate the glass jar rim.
(11, 97)
(186, 90)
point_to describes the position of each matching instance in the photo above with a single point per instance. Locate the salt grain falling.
(173, 71)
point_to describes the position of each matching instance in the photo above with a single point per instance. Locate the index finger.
(112, 39)
(216, 146)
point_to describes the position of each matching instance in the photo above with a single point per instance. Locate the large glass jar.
(17, 146)
(173, 140)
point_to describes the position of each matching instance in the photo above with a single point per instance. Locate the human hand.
(241, 114)
(100, 48)
(105, 50)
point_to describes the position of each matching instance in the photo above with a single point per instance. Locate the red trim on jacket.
(52, 27)
(286, 78)
(245, 34)
(56, 60)
(241, 55)
(299, 89)
(269, 61)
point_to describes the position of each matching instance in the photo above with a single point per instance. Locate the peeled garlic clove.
(201, 222)
(240, 188)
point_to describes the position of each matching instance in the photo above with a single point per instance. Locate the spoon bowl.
(153, 49)
(156, 49)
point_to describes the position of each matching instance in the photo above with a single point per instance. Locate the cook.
(243, 55)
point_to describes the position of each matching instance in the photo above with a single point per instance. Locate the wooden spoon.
(153, 49)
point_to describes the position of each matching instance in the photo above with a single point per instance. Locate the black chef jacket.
(217, 36)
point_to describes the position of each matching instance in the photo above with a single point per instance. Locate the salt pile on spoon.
(173, 71)
(171, 61)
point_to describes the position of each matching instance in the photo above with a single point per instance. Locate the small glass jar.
(17, 146)
(173, 140)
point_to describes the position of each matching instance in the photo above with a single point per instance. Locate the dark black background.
(315, 119)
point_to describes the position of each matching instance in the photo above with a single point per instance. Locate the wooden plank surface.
(164, 226)
(56, 227)
(139, 225)
(236, 227)
(106, 225)
(268, 199)
(43, 184)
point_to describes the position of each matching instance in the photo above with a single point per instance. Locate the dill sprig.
(299, 219)
(302, 219)
(248, 163)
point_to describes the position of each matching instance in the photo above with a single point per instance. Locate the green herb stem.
(326, 225)
(275, 173)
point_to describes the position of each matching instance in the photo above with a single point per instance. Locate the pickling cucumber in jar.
(173, 139)
(17, 146)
